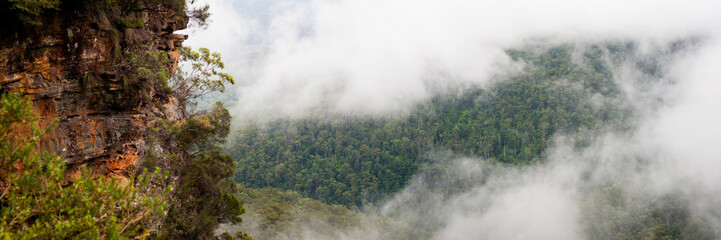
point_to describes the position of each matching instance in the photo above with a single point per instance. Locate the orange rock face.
(102, 122)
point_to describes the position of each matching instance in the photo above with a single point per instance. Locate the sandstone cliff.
(67, 66)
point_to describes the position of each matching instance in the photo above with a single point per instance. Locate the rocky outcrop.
(103, 120)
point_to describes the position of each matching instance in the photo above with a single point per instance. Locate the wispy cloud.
(382, 57)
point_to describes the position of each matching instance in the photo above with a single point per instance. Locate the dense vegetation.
(38, 202)
(283, 214)
(278, 214)
(28, 16)
(190, 148)
(617, 212)
(351, 160)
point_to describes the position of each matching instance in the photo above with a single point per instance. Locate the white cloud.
(380, 56)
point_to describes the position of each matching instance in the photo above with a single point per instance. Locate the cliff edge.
(72, 68)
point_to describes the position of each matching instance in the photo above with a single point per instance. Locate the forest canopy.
(353, 160)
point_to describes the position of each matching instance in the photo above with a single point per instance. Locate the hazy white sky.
(380, 56)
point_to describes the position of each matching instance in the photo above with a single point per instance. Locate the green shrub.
(29, 11)
(37, 203)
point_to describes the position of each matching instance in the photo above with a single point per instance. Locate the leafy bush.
(203, 77)
(204, 197)
(37, 203)
(28, 11)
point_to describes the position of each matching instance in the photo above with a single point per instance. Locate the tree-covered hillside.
(352, 160)
(277, 214)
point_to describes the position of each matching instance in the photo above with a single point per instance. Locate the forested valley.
(353, 160)
(562, 93)
(352, 119)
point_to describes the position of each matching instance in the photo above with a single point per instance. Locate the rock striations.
(67, 68)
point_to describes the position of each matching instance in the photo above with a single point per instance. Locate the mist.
(383, 57)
